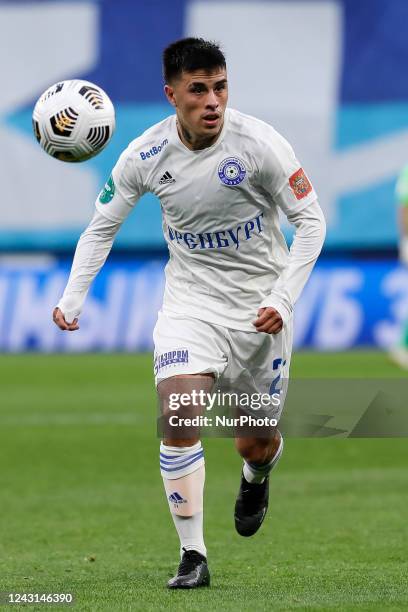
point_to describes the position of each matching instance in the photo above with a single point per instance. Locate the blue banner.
(344, 305)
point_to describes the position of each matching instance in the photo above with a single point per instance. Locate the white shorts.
(257, 362)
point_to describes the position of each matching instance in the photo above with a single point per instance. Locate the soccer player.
(399, 353)
(231, 283)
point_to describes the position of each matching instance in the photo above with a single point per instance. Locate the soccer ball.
(73, 120)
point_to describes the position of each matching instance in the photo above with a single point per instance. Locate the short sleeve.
(283, 177)
(122, 190)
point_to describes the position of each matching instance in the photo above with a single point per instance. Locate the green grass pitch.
(83, 508)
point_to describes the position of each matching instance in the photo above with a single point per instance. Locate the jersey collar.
(180, 144)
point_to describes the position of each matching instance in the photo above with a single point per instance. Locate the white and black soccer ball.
(73, 120)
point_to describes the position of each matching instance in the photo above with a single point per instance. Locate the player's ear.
(169, 91)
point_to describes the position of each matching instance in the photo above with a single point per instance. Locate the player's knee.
(182, 401)
(185, 384)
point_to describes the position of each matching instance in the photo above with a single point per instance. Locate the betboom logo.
(154, 150)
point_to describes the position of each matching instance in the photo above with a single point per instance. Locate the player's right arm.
(121, 192)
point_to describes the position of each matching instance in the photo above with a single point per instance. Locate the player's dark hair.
(190, 54)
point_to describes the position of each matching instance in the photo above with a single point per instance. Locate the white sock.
(256, 473)
(183, 473)
(190, 532)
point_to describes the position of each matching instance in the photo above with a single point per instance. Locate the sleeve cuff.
(70, 306)
(283, 306)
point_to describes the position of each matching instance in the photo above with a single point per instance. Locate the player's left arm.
(282, 176)
(276, 309)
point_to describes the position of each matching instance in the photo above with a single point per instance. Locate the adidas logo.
(176, 498)
(166, 179)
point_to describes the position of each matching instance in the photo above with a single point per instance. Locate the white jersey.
(220, 215)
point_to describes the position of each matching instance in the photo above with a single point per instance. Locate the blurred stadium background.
(78, 432)
(327, 74)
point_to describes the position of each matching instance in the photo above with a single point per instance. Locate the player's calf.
(253, 496)
(260, 455)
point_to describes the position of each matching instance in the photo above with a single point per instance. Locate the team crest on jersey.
(300, 184)
(232, 171)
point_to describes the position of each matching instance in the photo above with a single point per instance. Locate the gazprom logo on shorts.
(154, 150)
(170, 358)
(232, 171)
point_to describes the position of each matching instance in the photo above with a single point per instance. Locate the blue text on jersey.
(154, 150)
(220, 239)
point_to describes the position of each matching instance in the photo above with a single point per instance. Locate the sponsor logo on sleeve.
(300, 184)
(108, 191)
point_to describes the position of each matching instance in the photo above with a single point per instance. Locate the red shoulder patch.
(300, 184)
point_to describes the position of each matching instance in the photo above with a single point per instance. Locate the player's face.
(200, 98)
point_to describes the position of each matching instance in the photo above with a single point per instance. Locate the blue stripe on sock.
(176, 457)
(169, 465)
(181, 467)
(179, 459)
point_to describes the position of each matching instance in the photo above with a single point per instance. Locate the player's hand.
(59, 320)
(269, 321)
